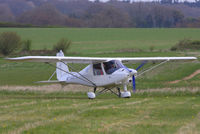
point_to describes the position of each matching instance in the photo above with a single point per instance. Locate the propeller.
(141, 65)
(133, 77)
(133, 82)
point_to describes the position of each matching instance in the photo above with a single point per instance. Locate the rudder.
(61, 68)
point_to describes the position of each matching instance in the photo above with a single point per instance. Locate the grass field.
(62, 112)
(92, 40)
(156, 108)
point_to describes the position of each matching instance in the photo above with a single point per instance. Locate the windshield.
(112, 66)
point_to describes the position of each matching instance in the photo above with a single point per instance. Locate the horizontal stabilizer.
(51, 81)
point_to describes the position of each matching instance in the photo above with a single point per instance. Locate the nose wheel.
(126, 94)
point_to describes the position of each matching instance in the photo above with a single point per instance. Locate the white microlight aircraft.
(108, 73)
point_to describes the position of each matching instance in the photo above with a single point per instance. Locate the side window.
(97, 70)
(110, 67)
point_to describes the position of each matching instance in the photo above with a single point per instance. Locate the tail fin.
(61, 68)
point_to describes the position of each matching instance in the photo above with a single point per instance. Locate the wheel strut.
(95, 89)
(119, 93)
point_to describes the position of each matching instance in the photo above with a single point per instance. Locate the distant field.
(25, 112)
(97, 40)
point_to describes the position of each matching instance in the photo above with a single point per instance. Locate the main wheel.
(91, 95)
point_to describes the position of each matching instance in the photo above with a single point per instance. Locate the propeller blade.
(133, 82)
(141, 65)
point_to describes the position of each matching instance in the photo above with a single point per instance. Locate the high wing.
(156, 59)
(88, 60)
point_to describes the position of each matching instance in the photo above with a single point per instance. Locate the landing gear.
(111, 90)
(91, 95)
(119, 93)
(126, 94)
(95, 89)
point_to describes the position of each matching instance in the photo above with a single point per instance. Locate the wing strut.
(52, 76)
(152, 68)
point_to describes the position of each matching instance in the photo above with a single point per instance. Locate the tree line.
(84, 13)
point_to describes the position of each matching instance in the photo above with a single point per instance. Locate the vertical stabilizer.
(61, 68)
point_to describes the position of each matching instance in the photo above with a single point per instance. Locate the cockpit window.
(112, 66)
(97, 69)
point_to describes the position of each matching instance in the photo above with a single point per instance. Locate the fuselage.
(102, 74)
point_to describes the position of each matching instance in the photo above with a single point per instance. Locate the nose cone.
(132, 72)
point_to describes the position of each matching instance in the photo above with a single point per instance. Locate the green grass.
(12, 73)
(94, 40)
(160, 112)
(65, 112)
(160, 77)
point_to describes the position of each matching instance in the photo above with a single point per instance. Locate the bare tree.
(6, 14)
(43, 15)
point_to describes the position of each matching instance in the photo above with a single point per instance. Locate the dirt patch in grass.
(187, 77)
(48, 88)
